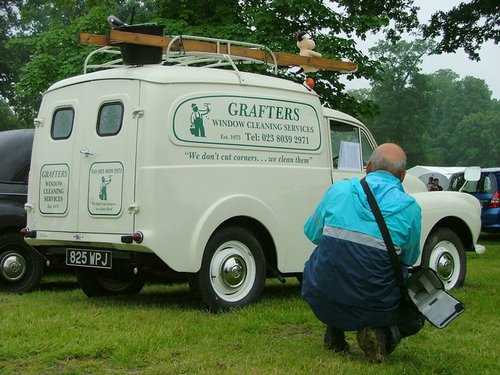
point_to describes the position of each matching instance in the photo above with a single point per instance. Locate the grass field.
(58, 330)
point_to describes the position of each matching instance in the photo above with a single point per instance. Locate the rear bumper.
(490, 220)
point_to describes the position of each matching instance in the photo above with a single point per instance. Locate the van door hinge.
(133, 208)
(138, 113)
(37, 122)
(29, 207)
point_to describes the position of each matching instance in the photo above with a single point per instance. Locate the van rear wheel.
(95, 283)
(233, 270)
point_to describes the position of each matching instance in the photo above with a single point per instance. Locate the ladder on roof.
(190, 50)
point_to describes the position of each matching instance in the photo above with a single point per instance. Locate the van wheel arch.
(260, 232)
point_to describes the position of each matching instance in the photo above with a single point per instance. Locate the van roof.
(181, 74)
(342, 116)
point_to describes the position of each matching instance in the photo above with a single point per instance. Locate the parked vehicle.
(487, 191)
(203, 174)
(21, 267)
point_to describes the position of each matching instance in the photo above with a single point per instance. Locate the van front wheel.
(233, 270)
(445, 253)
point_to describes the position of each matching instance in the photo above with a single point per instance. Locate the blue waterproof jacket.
(348, 280)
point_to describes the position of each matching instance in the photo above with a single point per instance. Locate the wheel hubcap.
(13, 267)
(445, 260)
(445, 266)
(233, 271)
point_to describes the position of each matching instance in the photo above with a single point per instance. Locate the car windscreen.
(15, 154)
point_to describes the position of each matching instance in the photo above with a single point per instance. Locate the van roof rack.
(196, 50)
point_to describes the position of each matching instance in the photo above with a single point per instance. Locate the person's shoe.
(372, 342)
(393, 338)
(335, 340)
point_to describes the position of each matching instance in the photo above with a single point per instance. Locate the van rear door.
(86, 162)
(107, 154)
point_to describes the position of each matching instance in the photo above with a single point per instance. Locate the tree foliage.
(466, 26)
(475, 140)
(50, 28)
(38, 47)
(55, 55)
(9, 120)
(456, 99)
(439, 119)
(9, 60)
(404, 97)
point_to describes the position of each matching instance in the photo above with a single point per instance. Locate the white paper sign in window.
(350, 156)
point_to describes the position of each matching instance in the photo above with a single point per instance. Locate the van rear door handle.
(86, 152)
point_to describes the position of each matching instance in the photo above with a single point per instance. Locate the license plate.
(88, 258)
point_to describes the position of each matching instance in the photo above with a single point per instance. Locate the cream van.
(202, 174)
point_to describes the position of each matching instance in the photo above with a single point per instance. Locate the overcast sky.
(487, 69)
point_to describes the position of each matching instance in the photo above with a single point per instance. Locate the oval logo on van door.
(247, 122)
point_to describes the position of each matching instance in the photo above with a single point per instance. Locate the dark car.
(487, 190)
(21, 267)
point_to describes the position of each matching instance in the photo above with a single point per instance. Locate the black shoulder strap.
(385, 235)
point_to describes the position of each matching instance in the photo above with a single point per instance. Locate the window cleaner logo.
(103, 189)
(197, 127)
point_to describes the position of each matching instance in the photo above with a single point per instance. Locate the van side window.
(110, 119)
(341, 132)
(62, 123)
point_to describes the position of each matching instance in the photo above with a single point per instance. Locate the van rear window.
(62, 123)
(110, 119)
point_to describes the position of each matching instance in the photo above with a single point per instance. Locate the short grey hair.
(395, 167)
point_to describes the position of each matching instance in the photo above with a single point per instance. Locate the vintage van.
(202, 174)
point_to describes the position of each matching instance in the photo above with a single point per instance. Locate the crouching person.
(349, 281)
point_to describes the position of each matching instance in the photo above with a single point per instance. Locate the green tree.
(404, 97)
(37, 48)
(54, 24)
(455, 99)
(49, 36)
(9, 60)
(332, 25)
(9, 120)
(467, 25)
(55, 54)
(214, 18)
(476, 140)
